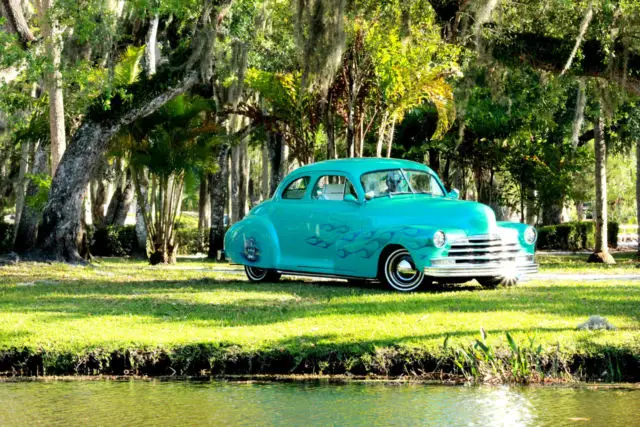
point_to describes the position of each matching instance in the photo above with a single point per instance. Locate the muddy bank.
(472, 363)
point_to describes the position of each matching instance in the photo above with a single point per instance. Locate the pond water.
(305, 404)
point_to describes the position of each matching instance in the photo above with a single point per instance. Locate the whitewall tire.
(259, 275)
(399, 272)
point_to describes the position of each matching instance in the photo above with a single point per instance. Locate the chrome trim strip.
(505, 248)
(489, 257)
(481, 270)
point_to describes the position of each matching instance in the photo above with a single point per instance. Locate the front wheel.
(399, 272)
(259, 275)
(494, 282)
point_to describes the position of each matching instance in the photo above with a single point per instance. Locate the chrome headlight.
(530, 235)
(439, 239)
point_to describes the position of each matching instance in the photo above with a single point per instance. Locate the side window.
(332, 187)
(296, 189)
(435, 187)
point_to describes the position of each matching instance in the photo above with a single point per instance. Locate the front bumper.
(521, 271)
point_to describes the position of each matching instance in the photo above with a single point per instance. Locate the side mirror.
(454, 194)
(369, 195)
(350, 198)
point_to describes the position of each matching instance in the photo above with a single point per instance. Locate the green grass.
(626, 263)
(117, 304)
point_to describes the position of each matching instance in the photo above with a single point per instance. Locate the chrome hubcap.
(405, 270)
(401, 272)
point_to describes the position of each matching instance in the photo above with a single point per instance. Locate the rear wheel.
(399, 272)
(258, 275)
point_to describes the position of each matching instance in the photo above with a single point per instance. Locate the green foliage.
(115, 241)
(177, 138)
(188, 239)
(574, 236)
(39, 200)
(412, 64)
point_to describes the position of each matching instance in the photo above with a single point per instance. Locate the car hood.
(472, 217)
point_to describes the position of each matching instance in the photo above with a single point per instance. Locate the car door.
(289, 214)
(336, 211)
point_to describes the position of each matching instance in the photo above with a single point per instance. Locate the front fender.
(253, 241)
(520, 229)
(359, 252)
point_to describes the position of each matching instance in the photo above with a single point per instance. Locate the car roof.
(360, 165)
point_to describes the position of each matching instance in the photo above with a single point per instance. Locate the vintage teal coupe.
(384, 219)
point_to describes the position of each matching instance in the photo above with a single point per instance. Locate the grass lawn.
(626, 263)
(119, 304)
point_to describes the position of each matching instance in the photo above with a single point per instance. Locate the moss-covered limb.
(604, 365)
(551, 53)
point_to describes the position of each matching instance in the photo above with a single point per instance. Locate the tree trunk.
(361, 138)
(12, 11)
(142, 184)
(245, 193)
(21, 183)
(391, 134)
(121, 201)
(218, 194)
(381, 133)
(638, 190)
(264, 187)
(152, 46)
(235, 183)
(53, 46)
(330, 130)
(552, 211)
(351, 131)
(275, 157)
(531, 207)
(98, 200)
(61, 219)
(27, 232)
(204, 212)
(434, 160)
(283, 168)
(601, 251)
(580, 211)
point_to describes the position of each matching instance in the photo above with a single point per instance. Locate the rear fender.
(253, 241)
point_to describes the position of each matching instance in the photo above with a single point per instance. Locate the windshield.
(400, 181)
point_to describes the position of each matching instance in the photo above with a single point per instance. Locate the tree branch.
(12, 10)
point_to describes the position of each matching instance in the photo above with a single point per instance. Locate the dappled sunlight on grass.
(121, 303)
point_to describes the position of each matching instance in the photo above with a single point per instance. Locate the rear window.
(296, 189)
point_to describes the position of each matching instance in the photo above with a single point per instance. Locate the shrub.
(188, 239)
(115, 241)
(574, 236)
(122, 241)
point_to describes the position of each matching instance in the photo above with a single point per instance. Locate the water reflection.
(231, 404)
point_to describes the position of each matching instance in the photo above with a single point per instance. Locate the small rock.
(596, 323)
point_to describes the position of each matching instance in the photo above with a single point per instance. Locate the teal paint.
(341, 237)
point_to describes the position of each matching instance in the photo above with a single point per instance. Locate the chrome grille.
(483, 249)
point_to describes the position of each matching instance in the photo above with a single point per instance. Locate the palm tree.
(173, 144)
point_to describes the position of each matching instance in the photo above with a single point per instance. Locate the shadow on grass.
(230, 303)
